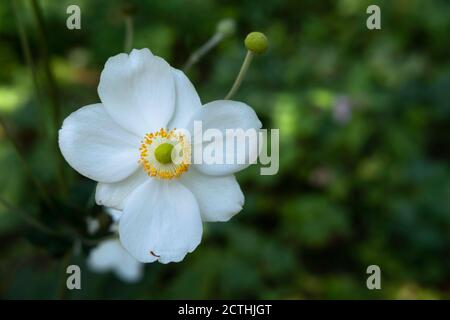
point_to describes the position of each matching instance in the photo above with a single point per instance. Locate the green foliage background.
(372, 189)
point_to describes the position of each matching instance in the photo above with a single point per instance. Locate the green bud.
(163, 153)
(256, 42)
(226, 26)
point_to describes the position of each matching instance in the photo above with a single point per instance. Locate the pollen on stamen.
(152, 166)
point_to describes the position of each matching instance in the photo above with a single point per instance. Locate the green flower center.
(163, 153)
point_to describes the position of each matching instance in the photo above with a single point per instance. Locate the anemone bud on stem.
(256, 43)
(225, 28)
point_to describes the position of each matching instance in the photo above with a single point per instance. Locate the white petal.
(129, 270)
(114, 214)
(111, 256)
(114, 194)
(219, 198)
(98, 148)
(223, 115)
(161, 221)
(187, 100)
(105, 256)
(138, 91)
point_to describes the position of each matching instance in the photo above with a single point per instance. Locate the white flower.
(109, 255)
(123, 144)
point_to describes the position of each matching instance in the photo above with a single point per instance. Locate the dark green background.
(371, 190)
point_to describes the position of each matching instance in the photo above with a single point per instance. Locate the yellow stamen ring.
(165, 154)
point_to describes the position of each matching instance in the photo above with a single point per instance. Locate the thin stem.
(237, 83)
(54, 96)
(71, 234)
(53, 91)
(28, 218)
(25, 44)
(203, 50)
(129, 33)
(24, 162)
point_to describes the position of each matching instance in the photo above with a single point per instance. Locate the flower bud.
(256, 42)
(226, 27)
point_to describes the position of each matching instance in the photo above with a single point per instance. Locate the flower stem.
(27, 218)
(129, 33)
(40, 189)
(237, 83)
(53, 91)
(203, 50)
(25, 44)
(68, 233)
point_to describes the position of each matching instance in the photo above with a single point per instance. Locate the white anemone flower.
(123, 143)
(110, 255)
